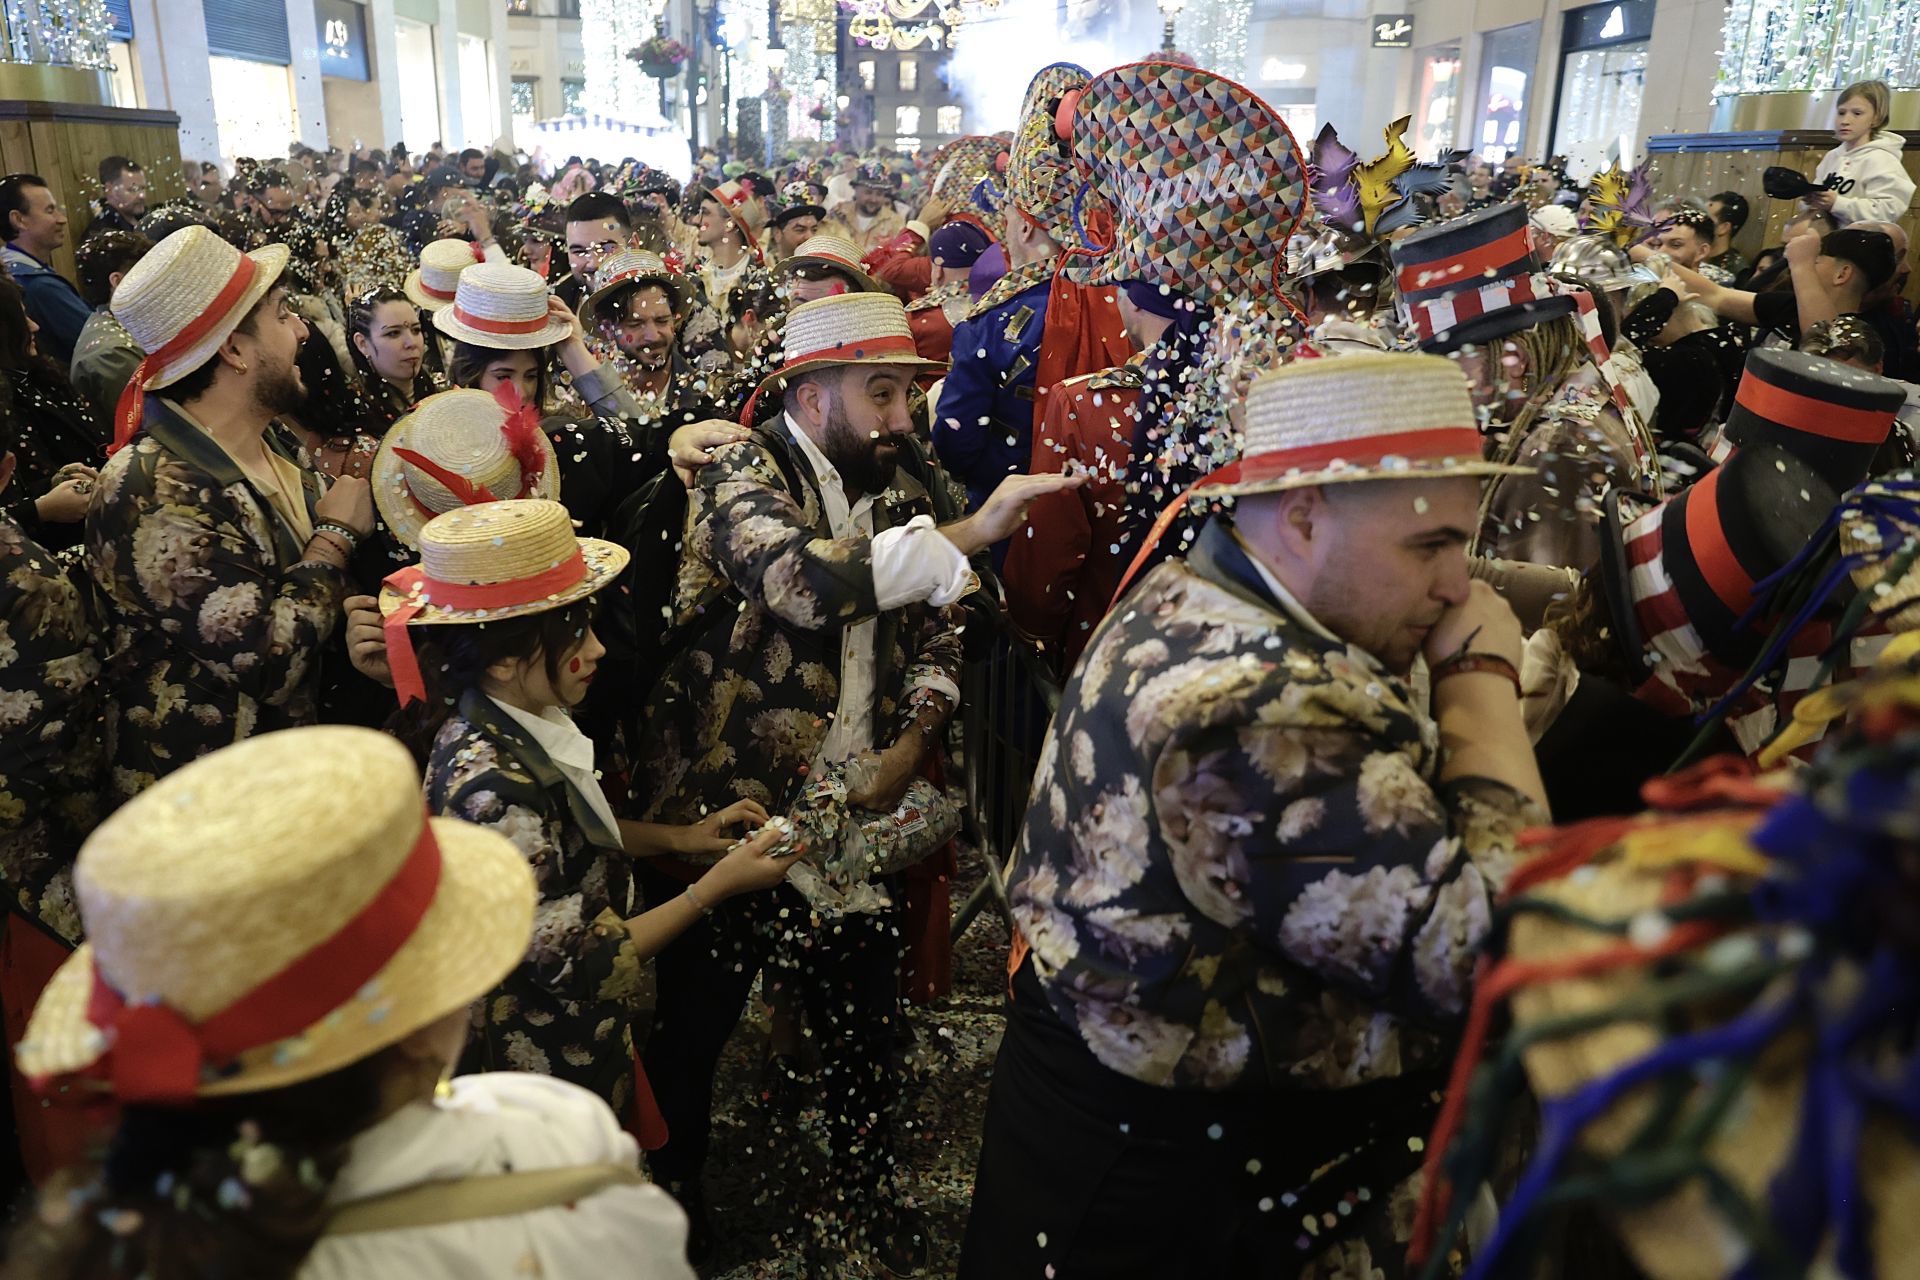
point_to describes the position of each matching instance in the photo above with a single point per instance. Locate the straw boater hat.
(834, 253)
(458, 448)
(849, 328)
(486, 563)
(501, 306)
(432, 284)
(747, 212)
(623, 272)
(1203, 177)
(179, 303)
(248, 931)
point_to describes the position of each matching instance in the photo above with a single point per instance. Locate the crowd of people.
(467, 632)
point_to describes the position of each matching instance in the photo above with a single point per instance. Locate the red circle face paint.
(574, 666)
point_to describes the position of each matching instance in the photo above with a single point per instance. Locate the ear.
(810, 397)
(363, 345)
(504, 671)
(1297, 516)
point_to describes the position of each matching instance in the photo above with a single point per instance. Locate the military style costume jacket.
(984, 425)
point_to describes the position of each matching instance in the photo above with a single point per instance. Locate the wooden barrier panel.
(65, 142)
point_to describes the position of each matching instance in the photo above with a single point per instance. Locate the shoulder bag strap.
(489, 1195)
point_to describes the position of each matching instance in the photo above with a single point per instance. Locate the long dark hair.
(360, 314)
(469, 362)
(15, 354)
(455, 658)
(229, 1186)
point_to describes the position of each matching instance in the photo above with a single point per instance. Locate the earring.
(243, 368)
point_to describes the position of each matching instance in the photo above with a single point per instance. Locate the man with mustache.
(637, 311)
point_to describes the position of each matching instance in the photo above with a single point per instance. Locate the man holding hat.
(1258, 865)
(637, 310)
(221, 561)
(816, 589)
(869, 219)
(1832, 276)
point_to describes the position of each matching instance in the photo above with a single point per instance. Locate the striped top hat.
(1203, 178)
(1831, 416)
(1473, 279)
(458, 448)
(501, 306)
(835, 254)
(625, 270)
(849, 328)
(179, 303)
(432, 284)
(1680, 575)
(235, 947)
(1040, 180)
(747, 212)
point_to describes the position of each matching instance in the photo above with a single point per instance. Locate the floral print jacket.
(213, 625)
(570, 1009)
(765, 593)
(1238, 871)
(50, 733)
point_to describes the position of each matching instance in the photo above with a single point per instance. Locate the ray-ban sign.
(1392, 30)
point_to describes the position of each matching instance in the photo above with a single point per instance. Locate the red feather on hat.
(522, 431)
(469, 493)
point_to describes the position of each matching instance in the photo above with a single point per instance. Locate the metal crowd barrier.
(1007, 700)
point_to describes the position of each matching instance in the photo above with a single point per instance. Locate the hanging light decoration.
(61, 33)
(617, 87)
(1784, 46)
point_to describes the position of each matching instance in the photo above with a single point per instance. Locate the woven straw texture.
(838, 252)
(844, 320)
(199, 889)
(441, 264)
(749, 214)
(502, 542)
(175, 284)
(1040, 180)
(1204, 179)
(1364, 400)
(499, 291)
(620, 270)
(460, 431)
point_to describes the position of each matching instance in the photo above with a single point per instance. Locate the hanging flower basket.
(822, 113)
(661, 57)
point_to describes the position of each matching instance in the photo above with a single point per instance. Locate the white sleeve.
(914, 562)
(494, 253)
(1882, 194)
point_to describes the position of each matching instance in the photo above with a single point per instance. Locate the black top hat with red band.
(1473, 279)
(1680, 575)
(1831, 416)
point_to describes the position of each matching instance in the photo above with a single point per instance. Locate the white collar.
(555, 733)
(1280, 593)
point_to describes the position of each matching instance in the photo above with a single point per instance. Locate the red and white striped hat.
(501, 306)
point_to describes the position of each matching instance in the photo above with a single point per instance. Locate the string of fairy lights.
(61, 33)
(1774, 46)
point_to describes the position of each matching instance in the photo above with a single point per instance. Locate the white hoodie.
(1869, 182)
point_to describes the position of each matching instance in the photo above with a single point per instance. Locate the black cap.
(1871, 251)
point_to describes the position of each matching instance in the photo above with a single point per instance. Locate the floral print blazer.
(1238, 870)
(50, 733)
(765, 591)
(213, 625)
(570, 1009)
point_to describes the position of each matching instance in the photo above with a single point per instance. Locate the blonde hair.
(1876, 95)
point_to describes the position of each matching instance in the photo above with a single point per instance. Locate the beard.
(280, 391)
(868, 464)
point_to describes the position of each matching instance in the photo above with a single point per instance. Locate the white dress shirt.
(571, 751)
(911, 563)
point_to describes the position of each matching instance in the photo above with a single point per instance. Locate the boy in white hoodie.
(1863, 178)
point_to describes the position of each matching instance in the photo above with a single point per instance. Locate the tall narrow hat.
(1831, 416)
(1680, 575)
(433, 283)
(958, 169)
(1473, 279)
(501, 306)
(458, 448)
(831, 253)
(849, 328)
(1204, 180)
(268, 914)
(179, 303)
(1040, 180)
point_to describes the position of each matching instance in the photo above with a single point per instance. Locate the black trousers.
(845, 974)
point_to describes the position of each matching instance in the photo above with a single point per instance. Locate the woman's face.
(521, 368)
(527, 684)
(394, 343)
(1853, 120)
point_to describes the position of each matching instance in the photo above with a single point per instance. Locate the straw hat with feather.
(435, 281)
(501, 306)
(458, 448)
(849, 328)
(179, 303)
(237, 945)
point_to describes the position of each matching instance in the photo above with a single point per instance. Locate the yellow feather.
(1374, 179)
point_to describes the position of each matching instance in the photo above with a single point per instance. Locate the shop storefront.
(1603, 74)
(250, 59)
(1436, 101)
(1507, 56)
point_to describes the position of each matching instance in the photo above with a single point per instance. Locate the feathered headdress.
(1374, 197)
(1620, 203)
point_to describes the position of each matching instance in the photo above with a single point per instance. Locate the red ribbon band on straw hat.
(1426, 446)
(420, 591)
(128, 413)
(485, 325)
(892, 345)
(156, 1055)
(431, 292)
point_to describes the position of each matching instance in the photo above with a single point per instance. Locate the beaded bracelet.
(334, 540)
(1465, 663)
(334, 526)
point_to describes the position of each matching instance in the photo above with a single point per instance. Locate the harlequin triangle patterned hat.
(959, 168)
(1204, 179)
(1040, 180)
